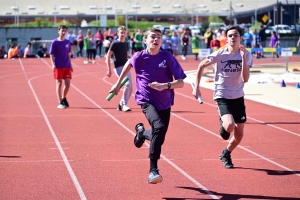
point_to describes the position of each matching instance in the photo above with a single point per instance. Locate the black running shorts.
(235, 107)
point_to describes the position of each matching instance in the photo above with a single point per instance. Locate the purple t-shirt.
(162, 68)
(273, 40)
(60, 50)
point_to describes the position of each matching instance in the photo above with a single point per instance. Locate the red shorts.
(63, 73)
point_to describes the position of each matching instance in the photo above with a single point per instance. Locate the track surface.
(87, 151)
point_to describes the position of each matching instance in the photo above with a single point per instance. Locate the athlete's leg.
(237, 137)
(58, 89)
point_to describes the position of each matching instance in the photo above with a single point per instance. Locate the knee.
(229, 127)
(160, 133)
(160, 130)
(58, 82)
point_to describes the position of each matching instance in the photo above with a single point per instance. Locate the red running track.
(87, 151)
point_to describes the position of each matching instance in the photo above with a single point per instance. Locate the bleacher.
(91, 7)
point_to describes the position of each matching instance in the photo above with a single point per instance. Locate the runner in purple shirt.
(60, 54)
(157, 75)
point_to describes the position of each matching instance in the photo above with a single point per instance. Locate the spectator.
(88, 45)
(219, 34)
(138, 39)
(223, 39)
(208, 37)
(132, 43)
(174, 42)
(13, 52)
(185, 40)
(20, 51)
(42, 52)
(298, 44)
(166, 43)
(105, 32)
(99, 41)
(3, 53)
(256, 39)
(108, 40)
(74, 43)
(93, 47)
(247, 37)
(214, 43)
(263, 36)
(27, 52)
(274, 43)
(80, 43)
(195, 45)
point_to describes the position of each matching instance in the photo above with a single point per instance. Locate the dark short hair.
(151, 30)
(62, 27)
(235, 27)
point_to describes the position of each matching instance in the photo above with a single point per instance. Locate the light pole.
(255, 13)
(97, 15)
(136, 7)
(16, 9)
(276, 16)
(54, 13)
(199, 6)
(118, 11)
(230, 12)
(116, 16)
(155, 12)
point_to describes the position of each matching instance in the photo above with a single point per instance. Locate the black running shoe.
(226, 160)
(139, 138)
(119, 108)
(154, 176)
(224, 134)
(65, 102)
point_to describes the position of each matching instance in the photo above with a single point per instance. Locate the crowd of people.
(17, 51)
(97, 44)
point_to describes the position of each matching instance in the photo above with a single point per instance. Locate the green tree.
(256, 26)
(121, 20)
(215, 18)
(204, 26)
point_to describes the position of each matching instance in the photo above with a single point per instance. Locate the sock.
(153, 163)
(226, 152)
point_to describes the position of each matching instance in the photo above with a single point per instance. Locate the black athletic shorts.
(235, 107)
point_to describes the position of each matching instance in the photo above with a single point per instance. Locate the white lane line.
(8, 75)
(244, 148)
(62, 153)
(262, 122)
(128, 160)
(252, 152)
(33, 161)
(208, 192)
(282, 129)
(213, 105)
(258, 155)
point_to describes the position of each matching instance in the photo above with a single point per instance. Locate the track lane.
(99, 166)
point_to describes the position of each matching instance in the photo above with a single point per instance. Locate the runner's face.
(122, 34)
(154, 40)
(233, 37)
(62, 32)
